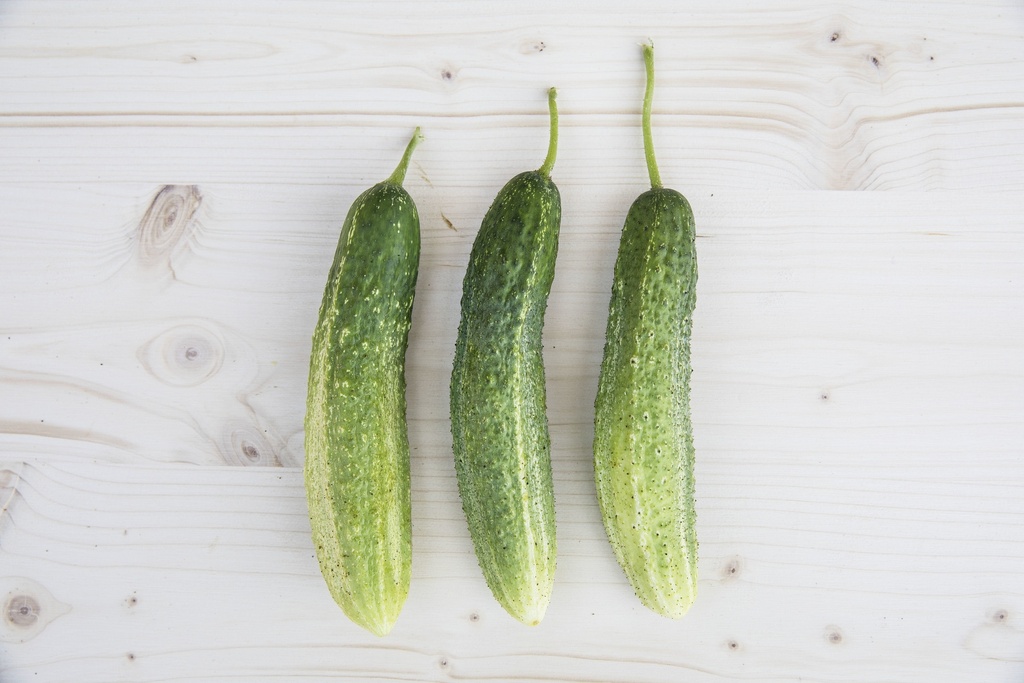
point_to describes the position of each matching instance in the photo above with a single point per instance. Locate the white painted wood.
(172, 180)
(178, 573)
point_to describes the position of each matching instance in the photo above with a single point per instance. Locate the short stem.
(398, 177)
(652, 164)
(549, 160)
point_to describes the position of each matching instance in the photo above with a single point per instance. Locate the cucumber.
(498, 402)
(643, 435)
(356, 440)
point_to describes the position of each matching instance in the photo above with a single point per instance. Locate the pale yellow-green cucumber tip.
(379, 624)
(671, 611)
(531, 615)
(380, 628)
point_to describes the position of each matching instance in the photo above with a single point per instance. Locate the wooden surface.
(172, 181)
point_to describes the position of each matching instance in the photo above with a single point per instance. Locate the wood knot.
(167, 222)
(183, 356)
(22, 611)
(247, 446)
(731, 569)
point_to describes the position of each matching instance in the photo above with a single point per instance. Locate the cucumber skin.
(356, 440)
(498, 401)
(643, 436)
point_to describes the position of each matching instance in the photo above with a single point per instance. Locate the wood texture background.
(172, 180)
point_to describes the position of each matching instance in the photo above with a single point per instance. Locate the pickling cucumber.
(356, 438)
(643, 434)
(498, 402)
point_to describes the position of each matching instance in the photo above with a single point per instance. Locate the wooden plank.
(811, 332)
(877, 95)
(182, 573)
(973, 149)
(93, 57)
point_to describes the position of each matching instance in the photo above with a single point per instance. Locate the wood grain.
(854, 97)
(177, 569)
(172, 182)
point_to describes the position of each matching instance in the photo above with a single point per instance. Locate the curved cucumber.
(498, 405)
(357, 446)
(643, 437)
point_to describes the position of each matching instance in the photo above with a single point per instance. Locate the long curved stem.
(652, 164)
(549, 160)
(398, 177)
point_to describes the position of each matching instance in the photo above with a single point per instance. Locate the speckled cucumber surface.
(498, 404)
(356, 440)
(643, 434)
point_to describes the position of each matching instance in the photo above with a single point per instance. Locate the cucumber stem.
(549, 160)
(652, 164)
(398, 177)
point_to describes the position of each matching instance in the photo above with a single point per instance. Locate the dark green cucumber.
(357, 446)
(643, 435)
(498, 405)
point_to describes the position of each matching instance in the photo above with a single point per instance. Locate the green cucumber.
(643, 435)
(356, 440)
(498, 401)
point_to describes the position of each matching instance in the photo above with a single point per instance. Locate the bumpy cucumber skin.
(498, 400)
(356, 441)
(643, 436)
